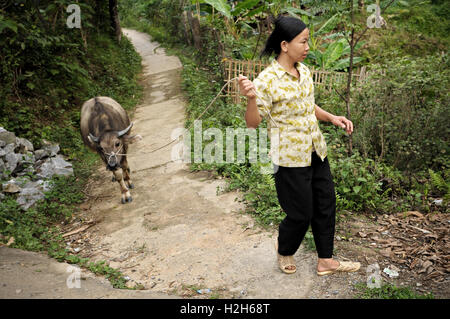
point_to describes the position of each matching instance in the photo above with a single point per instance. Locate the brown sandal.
(285, 261)
(344, 266)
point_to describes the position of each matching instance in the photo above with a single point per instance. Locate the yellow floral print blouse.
(291, 105)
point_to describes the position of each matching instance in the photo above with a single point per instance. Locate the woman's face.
(298, 48)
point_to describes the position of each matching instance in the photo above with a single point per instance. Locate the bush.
(401, 117)
(358, 184)
(400, 138)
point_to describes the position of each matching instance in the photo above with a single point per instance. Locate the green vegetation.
(400, 157)
(48, 71)
(400, 152)
(388, 291)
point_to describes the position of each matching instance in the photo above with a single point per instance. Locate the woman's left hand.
(342, 121)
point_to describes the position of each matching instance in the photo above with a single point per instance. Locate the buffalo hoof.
(113, 179)
(131, 186)
(127, 200)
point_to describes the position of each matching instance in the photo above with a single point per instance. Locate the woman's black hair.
(286, 29)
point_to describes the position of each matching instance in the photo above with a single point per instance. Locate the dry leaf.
(414, 213)
(425, 266)
(420, 229)
(361, 234)
(386, 252)
(76, 231)
(10, 241)
(432, 217)
(413, 263)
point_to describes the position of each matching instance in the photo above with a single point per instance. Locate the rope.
(114, 154)
(204, 111)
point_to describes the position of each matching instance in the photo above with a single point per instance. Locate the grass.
(388, 291)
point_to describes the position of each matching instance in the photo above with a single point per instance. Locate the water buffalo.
(105, 128)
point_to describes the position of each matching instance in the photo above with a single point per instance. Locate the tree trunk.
(349, 79)
(195, 27)
(114, 18)
(97, 15)
(361, 6)
(186, 28)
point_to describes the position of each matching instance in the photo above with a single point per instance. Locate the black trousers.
(306, 194)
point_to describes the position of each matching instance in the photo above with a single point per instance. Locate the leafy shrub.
(401, 116)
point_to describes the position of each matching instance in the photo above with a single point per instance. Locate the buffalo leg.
(126, 196)
(126, 173)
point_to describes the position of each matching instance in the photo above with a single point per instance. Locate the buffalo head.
(112, 146)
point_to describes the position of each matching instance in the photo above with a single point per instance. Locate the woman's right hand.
(246, 87)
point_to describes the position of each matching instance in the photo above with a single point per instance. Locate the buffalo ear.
(132, 139)
(92, 138)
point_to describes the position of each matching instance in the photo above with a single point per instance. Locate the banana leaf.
(329, 25)
(243, 6)
(333, 52)
(318, 57)
(345, 63)
(254, 12)
(220, 5)
(295, 11)
(10, 24)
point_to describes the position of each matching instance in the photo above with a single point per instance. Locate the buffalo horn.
(93, 138)
(125, 131)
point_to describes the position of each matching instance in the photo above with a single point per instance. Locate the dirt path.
(178, 235)
(31, 275)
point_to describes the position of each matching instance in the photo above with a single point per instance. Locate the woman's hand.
(246, 87)
(342, 121)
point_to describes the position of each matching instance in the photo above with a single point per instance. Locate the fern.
(442, 184)
(269, 180)
(438, 182)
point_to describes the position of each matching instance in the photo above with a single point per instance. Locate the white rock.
(391, 273)
(437, 202)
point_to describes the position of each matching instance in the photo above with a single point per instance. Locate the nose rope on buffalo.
(114, 154)
(206, 109)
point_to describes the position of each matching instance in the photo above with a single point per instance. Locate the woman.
(284, 92)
